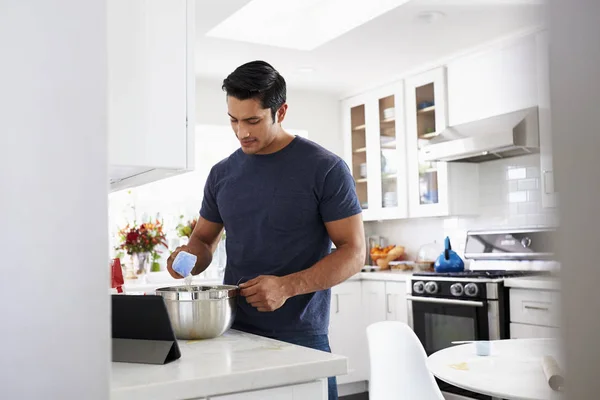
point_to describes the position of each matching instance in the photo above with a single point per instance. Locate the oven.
(439, 322)
(442, 316)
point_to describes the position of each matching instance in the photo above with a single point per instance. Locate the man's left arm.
(347, 260)
(268, 293)
(342, 216)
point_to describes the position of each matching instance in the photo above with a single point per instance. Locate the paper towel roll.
(554, 375)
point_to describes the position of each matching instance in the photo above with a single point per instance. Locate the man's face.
(252, 124)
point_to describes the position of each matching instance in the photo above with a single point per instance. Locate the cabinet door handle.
(337, 303)
(387, 303)
(537, 308)
(547, 182)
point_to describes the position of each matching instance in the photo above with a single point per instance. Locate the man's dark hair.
(257, 80)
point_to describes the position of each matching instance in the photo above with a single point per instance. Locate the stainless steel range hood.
(501, 136)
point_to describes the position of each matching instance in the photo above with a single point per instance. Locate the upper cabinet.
(502, 79)
(549, 196)
(434, 188)
(499, 80)
(355, 129)
(389, 130)
(151, 83)
(375, 152)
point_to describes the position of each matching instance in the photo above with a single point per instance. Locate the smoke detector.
(429, 17)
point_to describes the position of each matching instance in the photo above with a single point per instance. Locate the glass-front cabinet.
(426, 117)
(358, 130)
(384, 131)
(376, 152)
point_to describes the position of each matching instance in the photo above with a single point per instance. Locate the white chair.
(397, 359)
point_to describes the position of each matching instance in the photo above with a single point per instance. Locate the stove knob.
(431, 287)
(457, 289)
(419, 287)
(471, 289)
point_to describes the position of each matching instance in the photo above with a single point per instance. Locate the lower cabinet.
(524, 331)
(316, 390)
(346, 329)
(354, 306)
(534, 313)
(395, 301)
(384, 301)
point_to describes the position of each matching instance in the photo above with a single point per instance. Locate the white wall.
(574, 81)
(53, 206)
(175, 196)
(509, 196)
(315, 112)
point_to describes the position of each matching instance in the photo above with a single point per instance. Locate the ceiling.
(380, 51)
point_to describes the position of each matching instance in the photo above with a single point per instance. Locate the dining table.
(512, 369)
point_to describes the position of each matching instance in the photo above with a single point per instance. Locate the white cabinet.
(384, 130)
(535, 307)
(375, 151)
(499, 80)
(534, 313)
(354, 306)
(151, 89)
(502, 79)
(434, 188)
(524, 331)
(382, 301)
(346, 329)
(312, 390)
(373, 302)
(549, 195)
(395, 298)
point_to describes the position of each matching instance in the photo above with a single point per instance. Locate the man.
(282, 200)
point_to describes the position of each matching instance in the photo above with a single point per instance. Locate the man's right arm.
(202, 244)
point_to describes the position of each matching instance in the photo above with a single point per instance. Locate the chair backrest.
(398, 369)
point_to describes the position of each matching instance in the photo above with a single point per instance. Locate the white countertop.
(154, 280)
(161, 279)
(234, 362)
(389, 275)
(533, 282)
(512, 371)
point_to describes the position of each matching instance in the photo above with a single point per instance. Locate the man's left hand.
(265, 292)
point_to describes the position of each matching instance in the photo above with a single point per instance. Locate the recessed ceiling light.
(299, 24)
(429, 17)
(306, 70)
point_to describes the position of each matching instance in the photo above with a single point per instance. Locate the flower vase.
(141, 263)
(129, 265)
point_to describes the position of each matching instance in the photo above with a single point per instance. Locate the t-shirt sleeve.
(210, 210)
(339, 199)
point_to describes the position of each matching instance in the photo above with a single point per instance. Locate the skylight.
(299, 24)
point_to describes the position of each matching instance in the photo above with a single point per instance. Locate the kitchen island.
(234, 366)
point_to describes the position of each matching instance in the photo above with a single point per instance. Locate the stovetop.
(487, 274)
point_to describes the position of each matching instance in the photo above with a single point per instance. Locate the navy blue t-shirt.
(273, 208)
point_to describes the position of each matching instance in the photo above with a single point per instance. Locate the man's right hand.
(172, 258)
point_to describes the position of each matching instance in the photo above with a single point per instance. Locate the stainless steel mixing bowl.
(200, 312)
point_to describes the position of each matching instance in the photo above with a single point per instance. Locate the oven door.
(438, 322)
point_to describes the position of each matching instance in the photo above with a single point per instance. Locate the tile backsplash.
(510, 197)
(510, 194)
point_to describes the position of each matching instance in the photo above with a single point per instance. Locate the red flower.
(132, 236)
(143, 238)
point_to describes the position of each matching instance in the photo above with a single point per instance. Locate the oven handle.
(446, 301)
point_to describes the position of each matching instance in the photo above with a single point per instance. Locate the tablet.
(142, 331)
